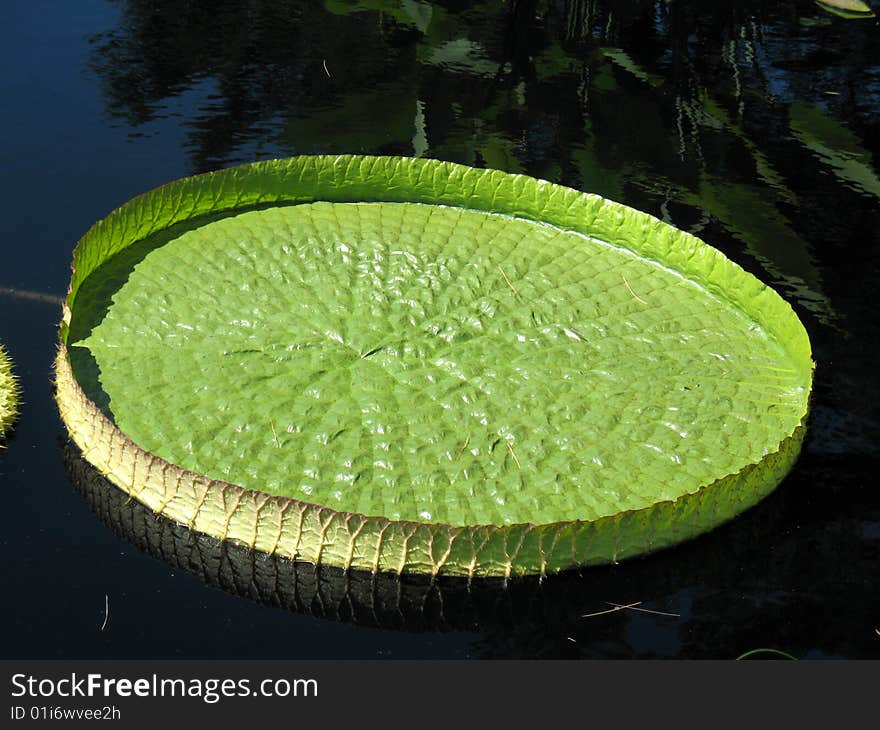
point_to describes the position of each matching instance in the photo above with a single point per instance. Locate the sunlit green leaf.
(402, 364)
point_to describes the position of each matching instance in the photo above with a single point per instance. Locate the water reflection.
(698, 115)
(754, 124)
(717, 596)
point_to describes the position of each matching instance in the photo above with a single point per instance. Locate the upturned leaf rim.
(318, 534)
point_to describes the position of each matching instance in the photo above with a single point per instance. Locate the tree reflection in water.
(751, 123)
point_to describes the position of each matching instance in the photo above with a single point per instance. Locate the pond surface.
(755, 125)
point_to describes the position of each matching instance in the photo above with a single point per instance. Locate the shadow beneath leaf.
(95, 297)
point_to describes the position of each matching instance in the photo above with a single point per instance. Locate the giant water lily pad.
(8, 393)
(409, 365)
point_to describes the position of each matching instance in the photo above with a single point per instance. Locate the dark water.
(753, 124)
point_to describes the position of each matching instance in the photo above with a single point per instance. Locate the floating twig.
(635, 296)
(326, 71)
(767, 651)
(34, 296)
(644, 610)
(106, 611)
(512, 287)
(612, 610)
(513, 454)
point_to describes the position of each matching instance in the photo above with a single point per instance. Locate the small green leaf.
(849, 9)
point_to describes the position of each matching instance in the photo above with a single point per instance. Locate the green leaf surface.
(440, 368)
(430, 363)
